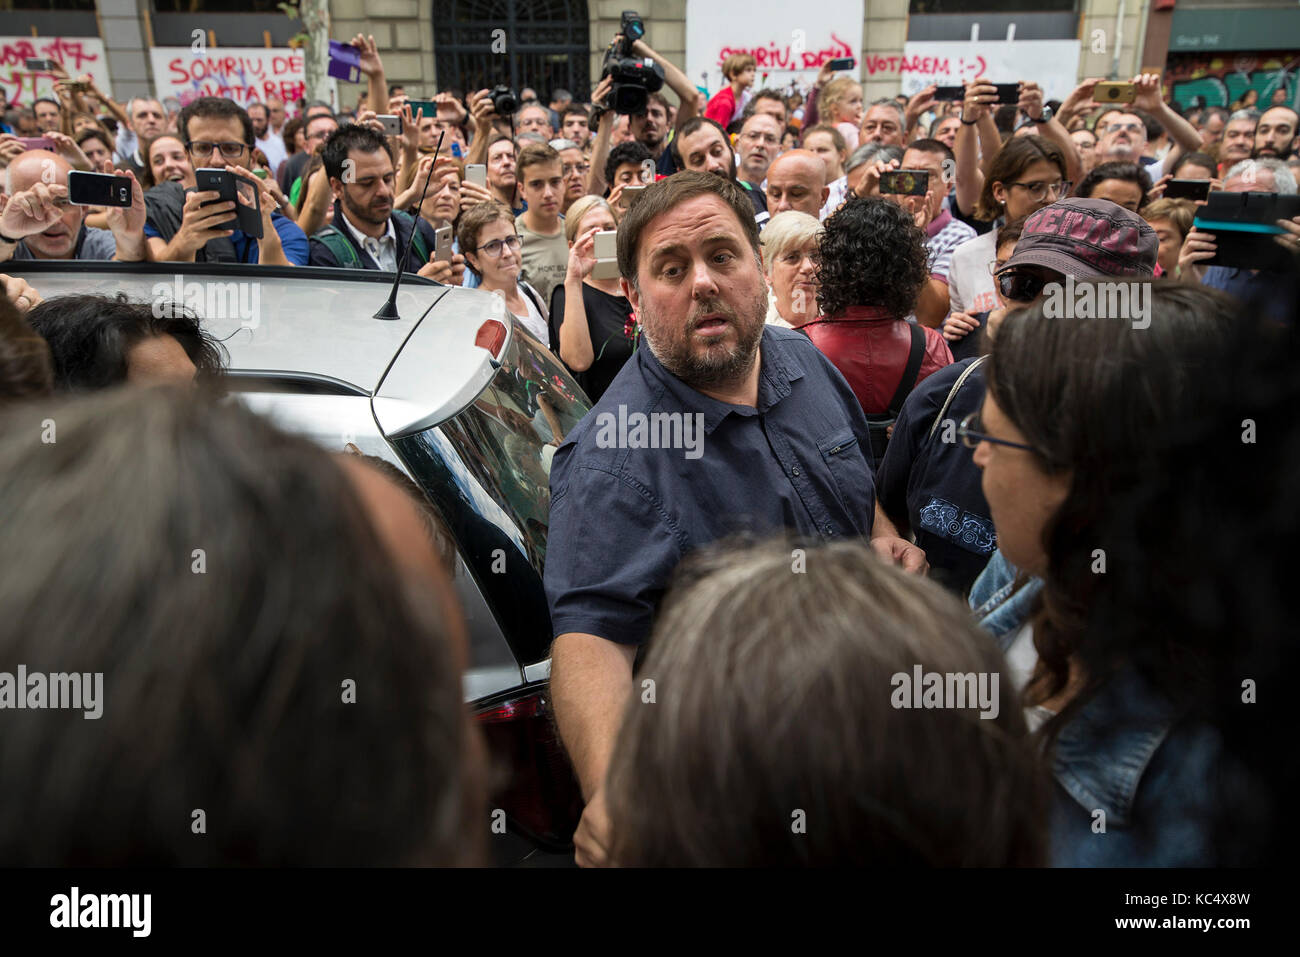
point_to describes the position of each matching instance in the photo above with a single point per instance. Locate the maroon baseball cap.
(1087, 239)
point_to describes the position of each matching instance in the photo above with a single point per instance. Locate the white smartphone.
(629, 194)
(606, 249)
(442, 244)
(392, 123)
(606, 244)
(476, 173)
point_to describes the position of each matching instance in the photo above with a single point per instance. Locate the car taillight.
(539, 792)
(491, 336)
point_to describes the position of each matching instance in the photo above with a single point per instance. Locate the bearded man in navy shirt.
(719, 425)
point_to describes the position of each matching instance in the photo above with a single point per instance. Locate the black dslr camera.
(504, 100)
(635, 78)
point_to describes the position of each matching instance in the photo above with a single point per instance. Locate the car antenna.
(389, 309)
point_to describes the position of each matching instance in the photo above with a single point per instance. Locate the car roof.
(298, 321)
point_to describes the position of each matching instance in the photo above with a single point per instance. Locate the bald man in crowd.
(39, 223)
(797, 180)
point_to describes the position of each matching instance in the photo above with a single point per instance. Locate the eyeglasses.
(995, 265)
(569, 169)
(971, 436)
(494, 248)
(1038, 191)
(1126, 127)
(230, 150)
(1021, 285)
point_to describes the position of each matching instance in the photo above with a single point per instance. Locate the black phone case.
(1237, 221)
(247, 220)
(89, 191)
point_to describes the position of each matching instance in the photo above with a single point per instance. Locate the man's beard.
(364, 213)
(719, 365)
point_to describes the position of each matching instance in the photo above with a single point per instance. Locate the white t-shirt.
(970, 284)
(273, 146)
(534, 322)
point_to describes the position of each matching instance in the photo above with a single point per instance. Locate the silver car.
(462, 400)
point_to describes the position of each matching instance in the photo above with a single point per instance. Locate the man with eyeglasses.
(1122, 132)
(574, 169)
(366, 231)
(928, 482)
(218, 133)
(758, 144)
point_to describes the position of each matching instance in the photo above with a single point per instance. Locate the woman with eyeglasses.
(592, 327)
(1028, 173)
(1078, 416)
(791, 259)
(493, 253)
(574, 169)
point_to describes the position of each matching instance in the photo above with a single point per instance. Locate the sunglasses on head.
(1019, 284)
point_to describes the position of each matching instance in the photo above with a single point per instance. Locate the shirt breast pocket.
(847, 464)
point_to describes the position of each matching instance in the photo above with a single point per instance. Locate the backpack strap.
(421, 246)
(952, 393)
(343, 251)
(912, 370)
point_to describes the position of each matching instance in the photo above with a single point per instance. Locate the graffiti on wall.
(1222, 79)
(78, 55)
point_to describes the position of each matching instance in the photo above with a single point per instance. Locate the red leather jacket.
(869, 347)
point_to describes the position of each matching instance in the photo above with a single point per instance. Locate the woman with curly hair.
(873, 266)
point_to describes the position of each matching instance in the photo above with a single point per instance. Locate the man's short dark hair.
(1130, 172)
(394, 87)
(349, 137)
(214, 107)
(766, 94)
(690, 127)
(932, 146)
(91, 336)
(671, 192)
(259, 106)
(622, 154)
(46, 99)
(575, 109)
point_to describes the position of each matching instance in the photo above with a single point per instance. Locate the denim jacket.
(1132, 782)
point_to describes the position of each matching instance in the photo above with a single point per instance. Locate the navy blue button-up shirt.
(657, 469)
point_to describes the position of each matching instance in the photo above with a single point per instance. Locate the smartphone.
(429, 107)
(98, 189)
(1194, 189)
(1244, 225)
(630, 193)
(392, 123)
(1008, 93)
(1110, 92)
(455, 150)
(905, 182)
(442, 245)
(244, 192)
(76, 86)
(842, 63)
(606, 244)
(37, 143)
(605, 247)
(949, 94)
(476, 173)
(40, 65)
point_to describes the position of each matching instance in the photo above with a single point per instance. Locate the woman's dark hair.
(883, 234)
(25, 369)
(85, 136)
(1121, 170)
(777, 702)
(278, 688)
(1093, 397)
(146, 176)
(288, 134)
(1017, 155)
(90, 338)
(1196, 159)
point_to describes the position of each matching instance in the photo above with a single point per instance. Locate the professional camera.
(504, 100)
(635, 78)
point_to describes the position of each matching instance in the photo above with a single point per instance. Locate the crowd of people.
(913, 460)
